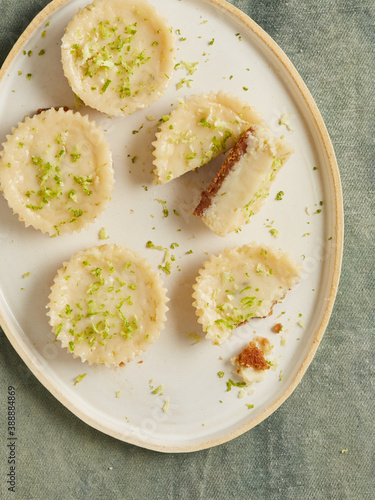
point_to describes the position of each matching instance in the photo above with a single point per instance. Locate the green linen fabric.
(320, 443)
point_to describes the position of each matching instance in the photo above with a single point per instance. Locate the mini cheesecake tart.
(118, 55)
(197, 131)
(107, 305)
(251, 363)
(243, 182)
(56, 171)
(239, 284)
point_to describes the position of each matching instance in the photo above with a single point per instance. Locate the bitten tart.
(107, 305)
(56, 171)
(243, 183)
(118, 55)
(239, 284)
(197, 131)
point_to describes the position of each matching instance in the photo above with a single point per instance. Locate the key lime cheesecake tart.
(197, 131)
(56, 171)
(243, 182)
(107, 305)
(239, 284)
(118, 55)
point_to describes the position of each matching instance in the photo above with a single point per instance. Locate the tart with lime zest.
(118, 55)
(243, 182)
(239, 284)
(107, 305)
(56, 171)
(197, 131)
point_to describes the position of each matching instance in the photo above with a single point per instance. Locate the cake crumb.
(252, 356)
(277, 328)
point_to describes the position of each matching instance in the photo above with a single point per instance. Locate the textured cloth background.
(297, 453)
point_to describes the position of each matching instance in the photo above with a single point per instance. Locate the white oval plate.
(201, 412)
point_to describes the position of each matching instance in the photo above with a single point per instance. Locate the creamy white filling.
(247, 185)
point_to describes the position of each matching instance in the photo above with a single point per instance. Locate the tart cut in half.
(197, 131)
(239, 284)
(107, 305)
(56, 171)
(118, 55)
(243, 183)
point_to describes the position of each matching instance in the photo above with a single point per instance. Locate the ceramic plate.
(234, 55)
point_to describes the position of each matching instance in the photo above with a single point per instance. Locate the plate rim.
(265, 39)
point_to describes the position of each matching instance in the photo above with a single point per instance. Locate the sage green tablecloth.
(320, 443)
